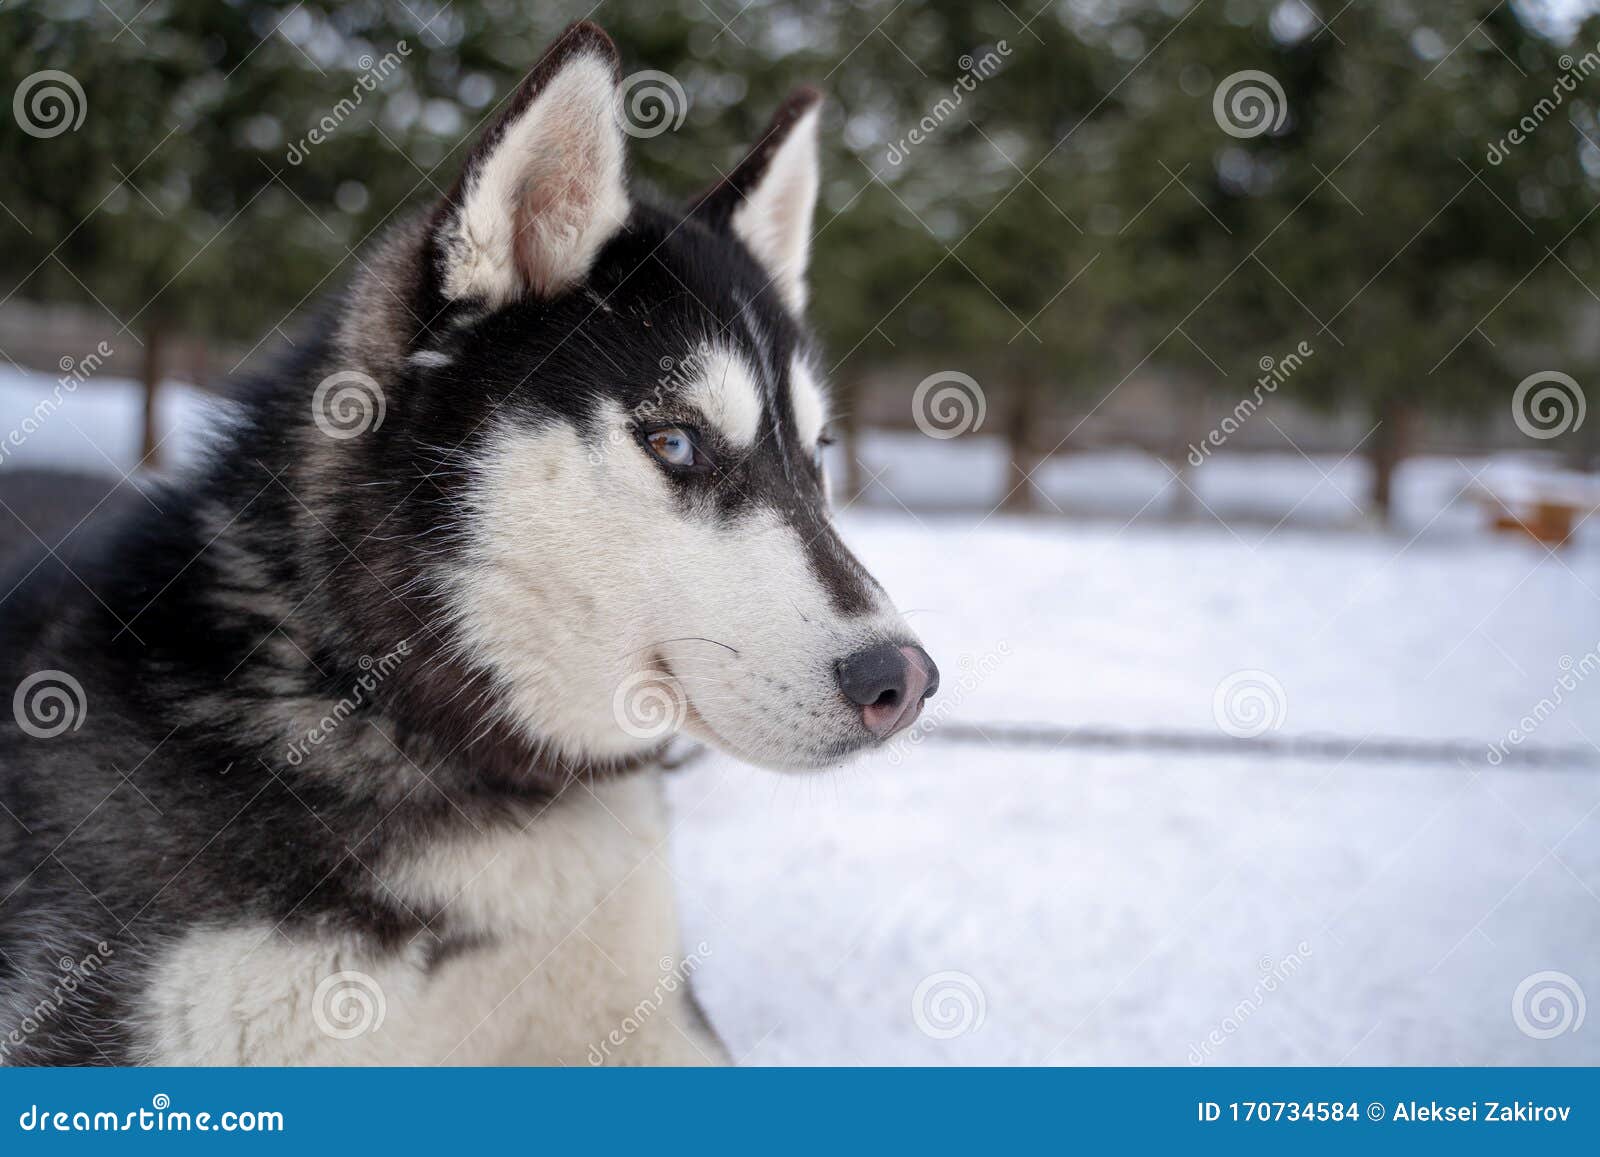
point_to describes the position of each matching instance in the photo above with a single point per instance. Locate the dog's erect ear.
(770, 197)
(543, 189)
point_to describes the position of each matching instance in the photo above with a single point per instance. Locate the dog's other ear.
(770, 197)
(543, 189)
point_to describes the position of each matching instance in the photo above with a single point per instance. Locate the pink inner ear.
(538, 209)
(556, 205)
(545, 190)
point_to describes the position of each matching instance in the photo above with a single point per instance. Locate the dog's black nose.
(889, 684)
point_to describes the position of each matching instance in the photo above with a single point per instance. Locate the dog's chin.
(777, 754)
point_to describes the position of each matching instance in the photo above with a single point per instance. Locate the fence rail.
(1471, 754)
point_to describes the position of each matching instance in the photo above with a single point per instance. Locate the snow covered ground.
(950, 903)
(1117, 907)
(96, 425)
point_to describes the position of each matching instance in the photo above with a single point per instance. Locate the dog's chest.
(545, 940)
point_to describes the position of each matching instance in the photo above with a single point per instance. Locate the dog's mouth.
(811, 758)
(774, 750)
(877, 691)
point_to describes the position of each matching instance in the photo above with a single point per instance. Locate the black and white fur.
(479, 842)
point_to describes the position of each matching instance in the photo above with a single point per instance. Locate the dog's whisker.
(682, 639)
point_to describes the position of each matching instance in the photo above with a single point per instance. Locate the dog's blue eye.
(673, 445)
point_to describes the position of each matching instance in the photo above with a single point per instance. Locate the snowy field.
(1120, 907)
(974, 903)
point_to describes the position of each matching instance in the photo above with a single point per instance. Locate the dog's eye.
(824, 440)
(675, 446)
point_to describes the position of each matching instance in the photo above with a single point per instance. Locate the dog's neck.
(329, 595)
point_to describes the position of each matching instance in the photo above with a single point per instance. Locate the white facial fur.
(724, 390)
(585, 574)
(551, 193)
(608, 613)
(775, 220)
(810, 405)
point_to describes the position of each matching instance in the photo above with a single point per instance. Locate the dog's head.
(630, 415)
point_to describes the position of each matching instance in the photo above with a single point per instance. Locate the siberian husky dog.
(346, 749)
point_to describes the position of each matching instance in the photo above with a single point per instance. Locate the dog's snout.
(889, 683)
